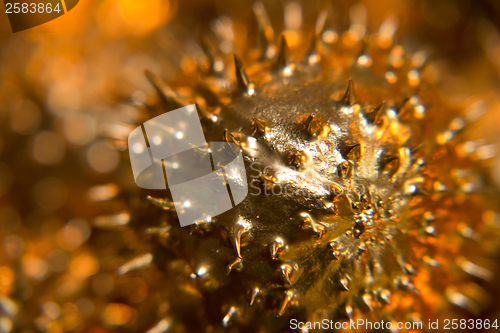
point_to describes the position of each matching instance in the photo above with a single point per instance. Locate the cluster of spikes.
(353, 210)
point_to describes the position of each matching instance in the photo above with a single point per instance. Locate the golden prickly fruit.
(357, 200)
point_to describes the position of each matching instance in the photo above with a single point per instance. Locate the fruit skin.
(353, 202)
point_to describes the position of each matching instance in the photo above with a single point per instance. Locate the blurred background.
(70, 93)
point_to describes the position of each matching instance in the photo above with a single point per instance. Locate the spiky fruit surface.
(359, 201)
(365, 201)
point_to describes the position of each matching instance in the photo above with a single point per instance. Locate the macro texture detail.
(372, 180)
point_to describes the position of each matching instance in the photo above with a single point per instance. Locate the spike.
(385, 296)
(162, 326)
(385, 159)
(312, 56)
(240, 228)
(139, 262)
(457, 125)
(415, 149)
(243, 84)
(409, 269)
(308, 223)
(237, 243)
(418, 191)
(164, 204)
(160, 231)
(255, 292)
(202, 227)
(319, 229)
(363, 59)
(312, 125)
(462, 301)
(167, 96)
(399, 106)
(102, 192)
(431, 261)
(348, 98)
(206, 46)
(110, 221)
(265, 31)
(386, 32)
(367, 299)
(287, 273)
(201, 150)
(229, 137)
(259, 126)
(329, 205)
(286, 302)
(205, 115)
(346, 149)
(320, 21)
(404, 283)
(237, 264)
(276, 247)
(429, 217)
(468, 232)
(264, 44)
(267, 179)
(349, 311)
(373, 115)
(344, 169)
(296, 160)
(335, 190)
(307, 123)
(474, 270)
(313, 49)
(419, 60)
(345, 283)
(8, 306)
(226, 321)
(430, 230)
(282, 59)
